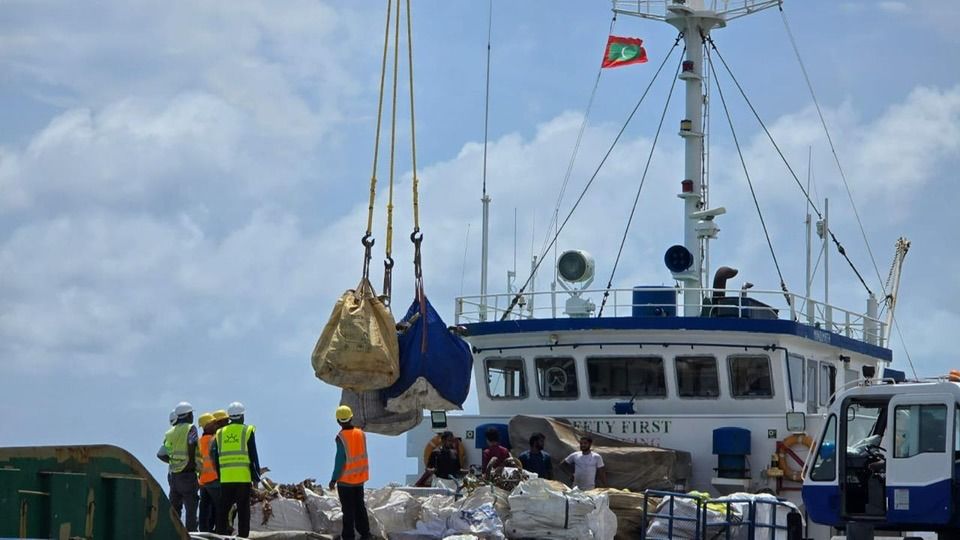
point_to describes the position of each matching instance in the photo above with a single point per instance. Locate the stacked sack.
(541, 508)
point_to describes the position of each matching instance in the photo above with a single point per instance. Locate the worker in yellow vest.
(350, 471)
(180, 443)
(234, 451)
(209, 479)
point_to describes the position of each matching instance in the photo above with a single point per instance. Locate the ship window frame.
(792, 379)
(716, 368)
(576, 377)
(524, 387)
(628, 357)
(730, 372)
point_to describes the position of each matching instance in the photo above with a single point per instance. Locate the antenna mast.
(695, 19)
(485, 233)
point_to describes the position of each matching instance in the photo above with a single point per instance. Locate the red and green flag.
(623, 51)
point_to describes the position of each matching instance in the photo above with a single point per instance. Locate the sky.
(183, 186)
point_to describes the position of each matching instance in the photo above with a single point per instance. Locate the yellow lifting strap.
(388, 246)
(368, 236)
(413, 129)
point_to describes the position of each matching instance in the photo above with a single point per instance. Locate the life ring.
(794, 475)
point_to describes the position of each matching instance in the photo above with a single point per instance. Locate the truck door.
(920, 458)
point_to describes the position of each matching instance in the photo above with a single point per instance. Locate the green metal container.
(87, 492)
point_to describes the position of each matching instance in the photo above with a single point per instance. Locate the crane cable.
(367, 239)
(783, 158)
(643, 179)
(519, 294)
(388, 251)
(746, 173)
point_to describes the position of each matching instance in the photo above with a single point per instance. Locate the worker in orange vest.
(209, 479)
(350, 471)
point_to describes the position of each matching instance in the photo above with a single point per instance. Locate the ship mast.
(695, 19)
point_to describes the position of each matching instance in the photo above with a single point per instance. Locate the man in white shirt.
(586, 466)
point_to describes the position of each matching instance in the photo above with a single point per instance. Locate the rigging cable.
(643, 179)
(367, 240)
(519, 293)
(573, 156)
(746, 173)
(833, 149)
(783, 158)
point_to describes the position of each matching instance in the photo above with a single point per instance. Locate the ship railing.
(665, 302)
(657, 9)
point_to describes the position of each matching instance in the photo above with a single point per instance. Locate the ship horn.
(720, 279)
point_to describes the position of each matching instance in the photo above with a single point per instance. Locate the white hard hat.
(183, 408)
(173, 417)
(236, 409)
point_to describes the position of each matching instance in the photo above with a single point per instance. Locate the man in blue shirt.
(535, 459)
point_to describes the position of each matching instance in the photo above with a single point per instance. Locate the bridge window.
(626, 376)
(506, 378)
(750, 377)
(795, 364)
(557, 377)
(828, 382)
(919, 429)
(697, 377)
(825, 467)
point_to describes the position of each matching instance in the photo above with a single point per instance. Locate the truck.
(887, 459)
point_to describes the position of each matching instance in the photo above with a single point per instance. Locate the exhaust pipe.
(720, 279)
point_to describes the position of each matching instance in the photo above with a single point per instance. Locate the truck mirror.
(796, 422)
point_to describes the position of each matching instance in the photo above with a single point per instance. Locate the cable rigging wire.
(643, 179)
(486, 99)
(576, 150)
(519, 294)
(746, 173)
(833, 149)
(783, 158)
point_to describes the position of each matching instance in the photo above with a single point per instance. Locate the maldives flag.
(623, 51)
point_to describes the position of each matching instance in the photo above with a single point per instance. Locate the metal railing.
(657, 9)
(706, 521)
(665, 302)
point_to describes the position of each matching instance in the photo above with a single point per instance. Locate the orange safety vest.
(356, 469)
(208, 472)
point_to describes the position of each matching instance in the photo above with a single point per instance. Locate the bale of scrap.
(545, 508)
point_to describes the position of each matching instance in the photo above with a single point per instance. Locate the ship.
(683, 365)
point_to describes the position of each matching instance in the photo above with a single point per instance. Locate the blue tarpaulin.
(428, 350)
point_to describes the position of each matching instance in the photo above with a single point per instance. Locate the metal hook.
(367, 240)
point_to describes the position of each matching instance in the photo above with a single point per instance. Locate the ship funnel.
(720, 279)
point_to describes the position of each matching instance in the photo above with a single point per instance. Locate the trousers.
(209, 502)
(184, 497)
(354, 512)
(234, 494)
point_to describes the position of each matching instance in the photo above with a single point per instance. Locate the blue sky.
(182, 186)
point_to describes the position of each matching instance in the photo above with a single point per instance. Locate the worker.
(444, 462)
(535, 459)
(234, 451)
(586, 466)
(350, 471)
(209, 481)
(180, 443)
(436, 442)
(493, 449)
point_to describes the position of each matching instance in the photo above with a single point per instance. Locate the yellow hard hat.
(344, 413)
(205, 419)
(220, 415)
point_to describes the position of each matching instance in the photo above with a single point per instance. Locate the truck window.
(697, 377)
(750, 376)
(626, 376)
(919, 429)
(825, 466)
(557, 377)
(506, 378)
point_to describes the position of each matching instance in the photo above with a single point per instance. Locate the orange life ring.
(795, 475)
